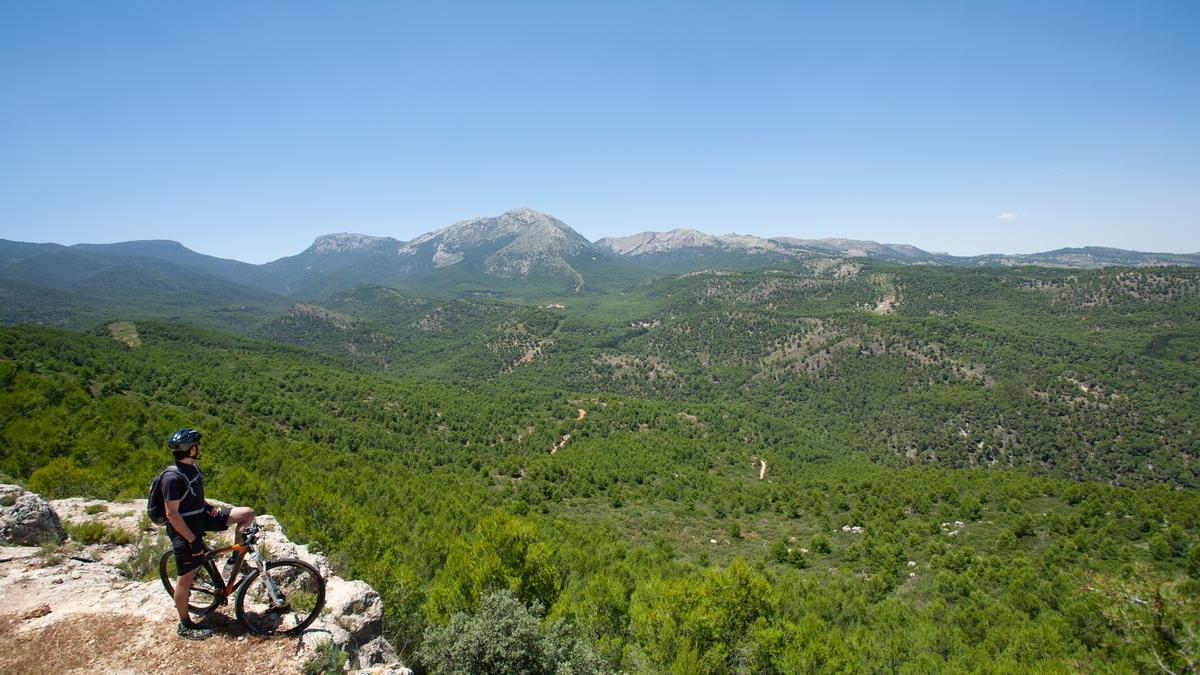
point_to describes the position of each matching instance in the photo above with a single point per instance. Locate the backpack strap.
(188, 481)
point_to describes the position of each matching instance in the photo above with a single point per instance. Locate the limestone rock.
(46, 588)
(39, 611)
(323, 633)
(377, 653)
(28, 520)
(356, 607)
(9, 494)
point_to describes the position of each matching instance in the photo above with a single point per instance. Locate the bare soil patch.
(92, 643)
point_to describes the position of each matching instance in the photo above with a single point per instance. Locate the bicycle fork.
(277, 600)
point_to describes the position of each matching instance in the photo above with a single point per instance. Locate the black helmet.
(183, 439)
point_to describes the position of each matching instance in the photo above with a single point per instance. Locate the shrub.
(1169, 544)
(820, 544)
(1023, 527)
(1193, 562)
(328, 659)
(503, 551)
(86, 533)
(782, 554)
(117, 536)
(143, 565)
(51, 554)
(61, 478)
(734, 530)
(93, 509)
(93, 533)
(504, 636)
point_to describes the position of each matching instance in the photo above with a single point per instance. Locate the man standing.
(189, 516)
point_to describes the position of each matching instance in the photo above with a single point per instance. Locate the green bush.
(93, 509)
(328, 659)
(781, 553)
(504, 636)
(143, 566)
(820, 544)
(94, 533)
(734, 530)
(1169, 544)
(1193, 562)
(504, 551)
(61, 478)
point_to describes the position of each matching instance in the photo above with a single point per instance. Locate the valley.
(716, 462)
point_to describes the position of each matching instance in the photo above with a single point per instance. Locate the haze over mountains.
(488, 255)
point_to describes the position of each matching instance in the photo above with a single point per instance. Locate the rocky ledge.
(98, 599)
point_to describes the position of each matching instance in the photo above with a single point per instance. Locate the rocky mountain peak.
(517, 243)
(344, 242)
(679, 239)
(528, 229)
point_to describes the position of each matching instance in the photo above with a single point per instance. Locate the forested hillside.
(711, 473)
(1075, 374)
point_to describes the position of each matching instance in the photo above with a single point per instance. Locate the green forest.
(829, 467)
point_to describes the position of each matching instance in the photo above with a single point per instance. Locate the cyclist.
(189, 516)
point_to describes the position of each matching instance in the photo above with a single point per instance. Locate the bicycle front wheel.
(203, 598)
(287, 605)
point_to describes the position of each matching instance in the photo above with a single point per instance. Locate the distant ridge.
(520, 248)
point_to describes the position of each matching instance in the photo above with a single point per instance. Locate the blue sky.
(244, 130)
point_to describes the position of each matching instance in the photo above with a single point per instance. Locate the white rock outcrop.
(41, 587)
(26, 519)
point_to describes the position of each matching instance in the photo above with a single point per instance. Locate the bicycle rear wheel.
(203, 598)
(301, 595)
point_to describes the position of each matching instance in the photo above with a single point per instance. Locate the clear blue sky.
(245, 129)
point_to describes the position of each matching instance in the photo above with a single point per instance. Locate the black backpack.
(155, 509)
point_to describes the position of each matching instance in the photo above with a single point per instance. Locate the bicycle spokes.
(284, 599)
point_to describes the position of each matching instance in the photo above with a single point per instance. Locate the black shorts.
(199, 524)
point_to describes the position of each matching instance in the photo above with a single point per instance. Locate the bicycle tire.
(203, 598)
(303, 589)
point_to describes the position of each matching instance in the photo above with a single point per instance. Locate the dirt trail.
(566, 437)
(559, 446)
(886, 306)
(762, 469)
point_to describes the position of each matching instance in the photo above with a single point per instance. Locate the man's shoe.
(193, 631)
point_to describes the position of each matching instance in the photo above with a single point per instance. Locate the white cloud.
(1008, 215)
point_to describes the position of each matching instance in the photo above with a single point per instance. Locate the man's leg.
(241, 517)
(187, 629)
(183, 591)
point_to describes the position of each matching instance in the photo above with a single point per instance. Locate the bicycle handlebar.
(249, 538)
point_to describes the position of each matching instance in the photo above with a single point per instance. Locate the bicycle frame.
(271, 598)
(225, 588)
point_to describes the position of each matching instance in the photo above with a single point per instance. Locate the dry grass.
(92, 643)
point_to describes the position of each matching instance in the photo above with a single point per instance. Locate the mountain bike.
(277, 597)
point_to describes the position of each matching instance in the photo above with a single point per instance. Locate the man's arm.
(176, 520)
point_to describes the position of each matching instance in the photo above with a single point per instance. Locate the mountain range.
(818, 455)
(521, 251)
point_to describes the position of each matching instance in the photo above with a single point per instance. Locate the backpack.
(156, 511)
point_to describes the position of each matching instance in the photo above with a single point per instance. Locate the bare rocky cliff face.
(517, 243)
(346, 242)
(677, 240)
(78, 607)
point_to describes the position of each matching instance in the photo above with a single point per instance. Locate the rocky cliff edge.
(93, 602)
